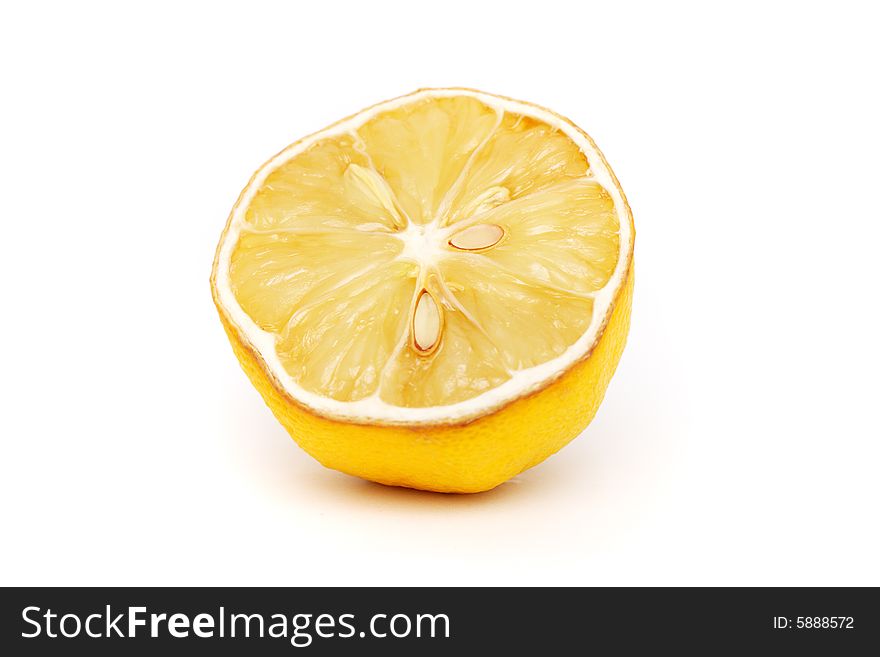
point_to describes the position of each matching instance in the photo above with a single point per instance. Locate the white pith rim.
(373, 409)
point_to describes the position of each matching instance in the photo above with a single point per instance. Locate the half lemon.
(434, 292)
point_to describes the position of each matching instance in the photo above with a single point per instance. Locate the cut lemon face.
(424, 266)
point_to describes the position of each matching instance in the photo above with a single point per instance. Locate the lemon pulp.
(486, 224)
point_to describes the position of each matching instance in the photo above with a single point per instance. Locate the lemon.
(434, 292)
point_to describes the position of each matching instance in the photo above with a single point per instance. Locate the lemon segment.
(313, 190)
(339, 344)
(521, 156)
(422, 148)
(528, 324)
(564, 237)
(275, 273)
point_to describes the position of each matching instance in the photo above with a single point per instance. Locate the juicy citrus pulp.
(426, 262)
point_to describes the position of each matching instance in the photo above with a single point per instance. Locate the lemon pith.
(435, 292)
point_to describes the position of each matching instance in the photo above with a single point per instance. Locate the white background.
(738, 442)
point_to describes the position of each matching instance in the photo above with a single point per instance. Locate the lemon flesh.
(482, 231)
